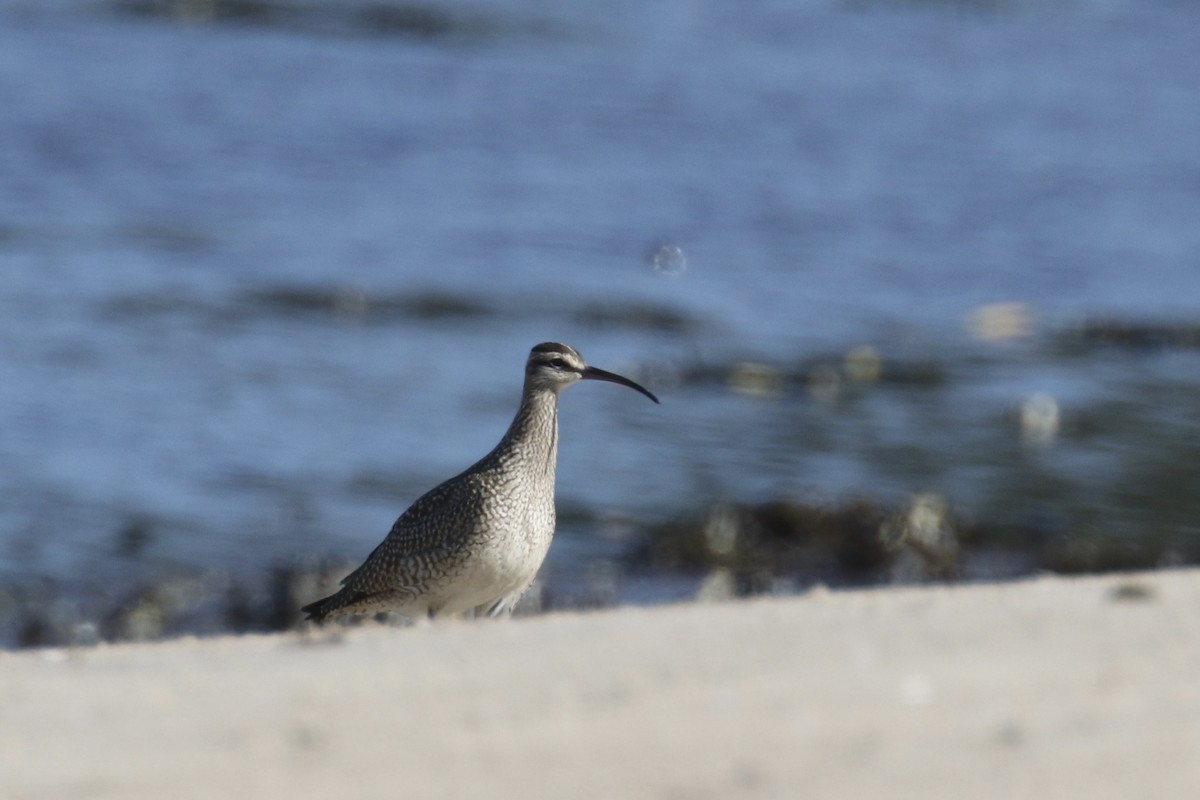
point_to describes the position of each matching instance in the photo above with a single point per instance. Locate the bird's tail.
(318, 611)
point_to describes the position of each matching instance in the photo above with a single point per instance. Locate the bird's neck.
(533, 435)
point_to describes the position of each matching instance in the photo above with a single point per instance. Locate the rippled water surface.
(271, 271)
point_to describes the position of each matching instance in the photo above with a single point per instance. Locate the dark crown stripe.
(554, 347)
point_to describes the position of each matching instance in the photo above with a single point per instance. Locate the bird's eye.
(558, 363)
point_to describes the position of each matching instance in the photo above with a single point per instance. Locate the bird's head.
(556, 366)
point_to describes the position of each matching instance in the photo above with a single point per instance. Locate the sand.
(1045, 688)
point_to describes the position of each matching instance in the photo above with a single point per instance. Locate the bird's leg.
(500, 608)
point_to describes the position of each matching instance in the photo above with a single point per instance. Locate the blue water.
(266, 279)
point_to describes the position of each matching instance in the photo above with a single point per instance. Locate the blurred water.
(270, 272)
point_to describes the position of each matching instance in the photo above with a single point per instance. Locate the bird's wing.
(438, 521)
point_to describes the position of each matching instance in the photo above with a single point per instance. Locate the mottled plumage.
(477, 540)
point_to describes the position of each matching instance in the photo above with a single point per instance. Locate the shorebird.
(476, 542)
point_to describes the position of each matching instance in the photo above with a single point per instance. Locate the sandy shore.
(1047, 688)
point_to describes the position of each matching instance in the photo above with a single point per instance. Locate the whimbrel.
(476, 541)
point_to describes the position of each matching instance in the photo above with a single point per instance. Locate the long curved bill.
(597, 374)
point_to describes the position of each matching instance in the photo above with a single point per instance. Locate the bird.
(475, 543)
